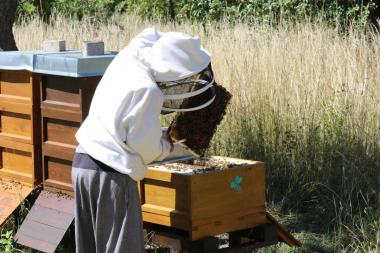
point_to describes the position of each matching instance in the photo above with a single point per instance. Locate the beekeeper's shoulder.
(143, 81)
(139, 78)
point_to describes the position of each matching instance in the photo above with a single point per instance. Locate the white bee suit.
(121, 135)
(123, 127)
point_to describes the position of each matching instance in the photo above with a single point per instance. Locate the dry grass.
(306, 101)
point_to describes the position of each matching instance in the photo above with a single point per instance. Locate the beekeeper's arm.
(144, 133)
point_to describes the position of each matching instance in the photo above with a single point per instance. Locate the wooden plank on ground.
(36, 244)
(47, 222)
(51, 217)
(6, 211)
(56, 201)
(41, 232)
(283, 235)
(9, 199)
(11, 196)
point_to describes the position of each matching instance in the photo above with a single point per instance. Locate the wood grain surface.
(11, 195)
(204, 204)
(65, 102)
(20, 161)
(20, 116)
(17, 85)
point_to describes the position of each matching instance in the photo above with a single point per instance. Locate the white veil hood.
(173, 56)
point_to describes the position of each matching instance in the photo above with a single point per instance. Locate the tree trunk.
(7, 17)
(44, 9)
(375, 16)
(171, 10)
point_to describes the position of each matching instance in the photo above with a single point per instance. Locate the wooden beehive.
(65, 102)
(40, 111)
(20, 133)
(205, 204)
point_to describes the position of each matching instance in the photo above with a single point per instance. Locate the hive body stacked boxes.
(20, 134)
(41, 109)
(65, 103)
(40, 112)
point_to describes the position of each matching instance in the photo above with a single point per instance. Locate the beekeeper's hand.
(166, 135)
(170, 140)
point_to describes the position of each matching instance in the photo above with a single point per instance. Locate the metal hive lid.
(67, 63)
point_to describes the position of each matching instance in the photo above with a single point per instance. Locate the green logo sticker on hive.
(235, 184)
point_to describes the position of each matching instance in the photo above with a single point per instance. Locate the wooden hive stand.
(240, 241)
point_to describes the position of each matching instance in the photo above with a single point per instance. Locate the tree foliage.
(271, 11)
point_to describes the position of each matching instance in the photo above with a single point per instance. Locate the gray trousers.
(107, 209)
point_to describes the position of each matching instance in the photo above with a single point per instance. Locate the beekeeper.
(122, 134)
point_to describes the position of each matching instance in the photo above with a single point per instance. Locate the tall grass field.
(306, 101)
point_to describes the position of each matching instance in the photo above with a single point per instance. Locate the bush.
(100, 9)
(271, 11)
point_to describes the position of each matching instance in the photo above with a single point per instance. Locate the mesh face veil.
(188, 94)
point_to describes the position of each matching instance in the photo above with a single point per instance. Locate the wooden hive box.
(65, 102)
(205, 204)
(20, 132)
